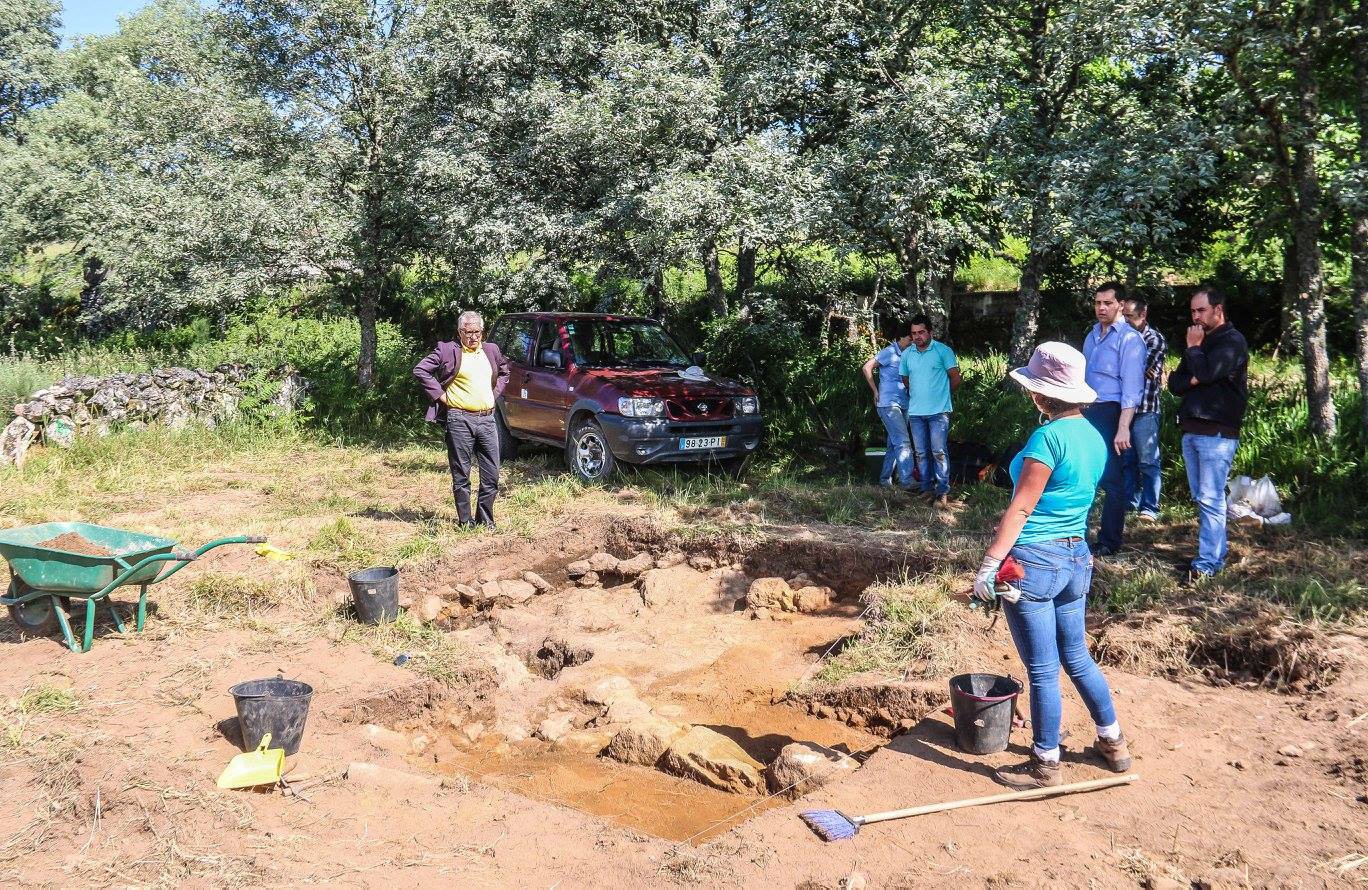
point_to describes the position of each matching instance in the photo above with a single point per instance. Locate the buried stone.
(713, 759)
(555, 655)
(804, 766)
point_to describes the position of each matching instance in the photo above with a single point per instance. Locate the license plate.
(703, 442)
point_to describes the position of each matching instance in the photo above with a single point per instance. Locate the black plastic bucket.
(983, 706)
(376, 594)
(274, 705)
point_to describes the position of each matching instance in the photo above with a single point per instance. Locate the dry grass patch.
(907, 633)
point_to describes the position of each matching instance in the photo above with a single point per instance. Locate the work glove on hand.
(985, 582)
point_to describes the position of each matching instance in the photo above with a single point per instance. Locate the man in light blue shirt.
(930, 373)
(890, 400)
(1116, 355)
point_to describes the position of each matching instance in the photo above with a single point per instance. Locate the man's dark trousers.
(1106, 419)
(473, 435)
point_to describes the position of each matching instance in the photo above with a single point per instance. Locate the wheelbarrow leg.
(64, 625)
(114, 613)
(142, 609)
(89, 626)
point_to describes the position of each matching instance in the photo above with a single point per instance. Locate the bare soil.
(1241, 785)
(71, 542)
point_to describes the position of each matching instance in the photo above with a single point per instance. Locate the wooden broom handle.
(1031, 794)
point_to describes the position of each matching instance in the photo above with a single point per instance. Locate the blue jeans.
(899, 451)
(1208, 460)
(930, 433)
(1106, 417)
(1047, 625)
(1140, 465)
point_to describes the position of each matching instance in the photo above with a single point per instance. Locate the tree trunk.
(1310, 272)
(367, 303)
(712, 271)
(1360, 286)
(655, 293)
(1359, 241)
(1027, 321)
(745, 269)
(1289, 332)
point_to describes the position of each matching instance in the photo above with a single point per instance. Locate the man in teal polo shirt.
(930, 374)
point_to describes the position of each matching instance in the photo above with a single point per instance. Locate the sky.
(94, 16)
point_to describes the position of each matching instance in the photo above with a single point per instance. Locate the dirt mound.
(1241, 642)
(1258, 643)
(70, 542)
(1153, 644)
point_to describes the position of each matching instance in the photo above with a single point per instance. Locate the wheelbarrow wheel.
(35, 617)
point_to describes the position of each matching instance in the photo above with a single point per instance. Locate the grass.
(430, 650)
(904, 633)
(35, 701)
(234, 596)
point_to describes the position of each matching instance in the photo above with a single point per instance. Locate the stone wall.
(170, 397)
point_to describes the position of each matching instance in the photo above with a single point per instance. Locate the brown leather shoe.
(1115, 752)
(1034, 773)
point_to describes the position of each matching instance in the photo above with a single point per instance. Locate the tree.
(1041, 61)
(1272, 54)
(28, 51)
(1358, 211)
(385, 97)
(170, 186)
(908, 176)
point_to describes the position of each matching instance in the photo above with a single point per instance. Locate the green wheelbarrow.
(46, 581)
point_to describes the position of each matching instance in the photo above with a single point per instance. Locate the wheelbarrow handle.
(254, 539)
(184, 555)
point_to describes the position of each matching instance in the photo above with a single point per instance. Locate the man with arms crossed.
(890, 400)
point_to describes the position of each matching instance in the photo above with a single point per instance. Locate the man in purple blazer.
(462, 380)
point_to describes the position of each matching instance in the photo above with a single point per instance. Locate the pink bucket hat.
(1057, 370)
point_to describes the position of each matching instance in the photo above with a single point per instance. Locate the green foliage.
(812, 396)
(1323, 484)
(989, 407)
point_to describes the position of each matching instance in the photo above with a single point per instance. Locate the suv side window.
(514, 337)
(547, 339)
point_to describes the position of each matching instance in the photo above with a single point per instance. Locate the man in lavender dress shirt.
(1115, 353)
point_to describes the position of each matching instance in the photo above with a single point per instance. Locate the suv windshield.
(624, 344)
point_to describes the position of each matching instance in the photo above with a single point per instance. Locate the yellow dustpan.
(260, 767)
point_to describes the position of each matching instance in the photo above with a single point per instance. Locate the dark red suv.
(609, 388)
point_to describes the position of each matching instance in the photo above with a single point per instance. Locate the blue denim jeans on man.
(1140, 470)
(1106, 418)
(930, 435)
(898, 454)
(1208, 460)
(1048, 627)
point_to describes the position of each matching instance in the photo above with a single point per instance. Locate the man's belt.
(485, 413)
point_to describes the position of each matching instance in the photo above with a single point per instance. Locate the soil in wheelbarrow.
(71, 542)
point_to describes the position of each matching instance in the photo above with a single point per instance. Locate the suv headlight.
(641, 407)
(747, 404)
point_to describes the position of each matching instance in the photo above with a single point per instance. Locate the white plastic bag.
(1263, 497)
(1254, 498)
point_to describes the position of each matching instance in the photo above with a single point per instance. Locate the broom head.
(830, 825)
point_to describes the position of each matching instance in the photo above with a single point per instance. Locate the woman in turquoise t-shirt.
(1054, 481)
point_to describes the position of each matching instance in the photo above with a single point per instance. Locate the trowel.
(260, 767)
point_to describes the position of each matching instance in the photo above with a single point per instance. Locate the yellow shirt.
(473, 387)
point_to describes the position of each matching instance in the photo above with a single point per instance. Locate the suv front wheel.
(588, 454)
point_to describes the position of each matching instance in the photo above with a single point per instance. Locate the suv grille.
(701, 409)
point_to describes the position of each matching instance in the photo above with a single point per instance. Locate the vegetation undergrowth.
(905, 631)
